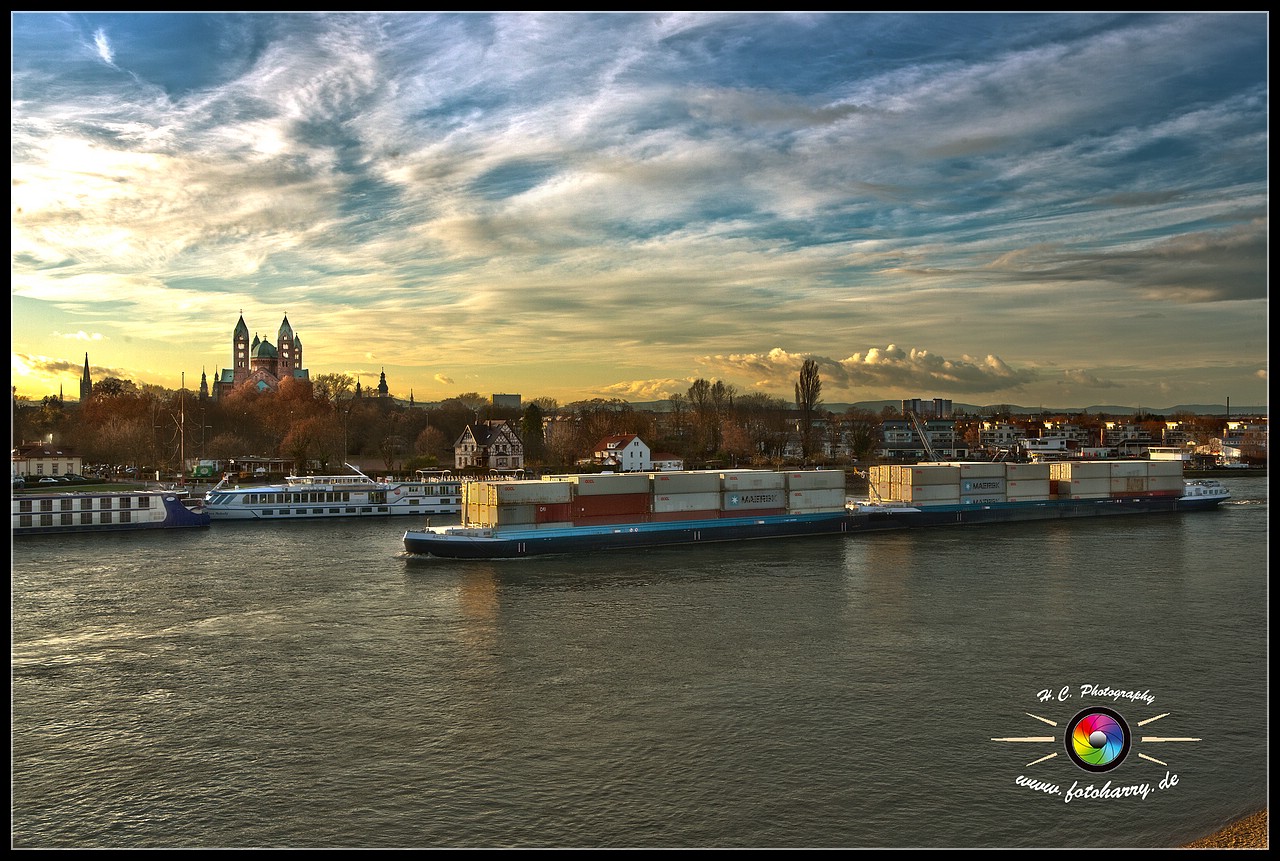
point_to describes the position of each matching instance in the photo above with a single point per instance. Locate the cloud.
(889, 367)
(1078, 377)
(79, 336)
(443, 380)
(644, 390)
(103, 47)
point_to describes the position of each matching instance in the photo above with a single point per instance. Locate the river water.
(309, 685)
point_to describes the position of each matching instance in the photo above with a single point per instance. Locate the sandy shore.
(1248, 833)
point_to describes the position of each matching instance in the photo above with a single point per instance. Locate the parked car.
(48, 479)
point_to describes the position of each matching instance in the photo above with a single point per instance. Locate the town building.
(40, 459)
(489, 445)
(261, 364)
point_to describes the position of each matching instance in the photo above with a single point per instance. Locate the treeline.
(321, 421)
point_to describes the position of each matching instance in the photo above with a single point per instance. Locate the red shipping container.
(554, 512)
(609, 505)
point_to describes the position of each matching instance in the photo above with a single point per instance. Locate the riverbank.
(1249, 833)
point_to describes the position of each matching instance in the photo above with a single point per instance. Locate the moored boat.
(577, 513)
(334, 496)
(105, 511)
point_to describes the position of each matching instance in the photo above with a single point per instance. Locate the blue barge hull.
(482, 543)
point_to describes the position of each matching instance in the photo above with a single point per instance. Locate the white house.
(624, 453)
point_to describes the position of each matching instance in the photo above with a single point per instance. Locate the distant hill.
(1096, 409)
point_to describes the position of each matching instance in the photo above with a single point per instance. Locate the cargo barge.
(574, 513)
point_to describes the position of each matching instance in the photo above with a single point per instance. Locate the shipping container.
(619, 483)
(554, 512)
(930, 493)
(930, 475)
(1129, 469)
(982, 500)
(1164, 483)
(752, 480)
(669, 502)
(609, 504)
(1073, 470)
(518, 492)
(818, 479)
(1129, 485)
(1028, 487)
(610, 519)
(685, 482)
(1164, 469)
(1027, 471)
(825, 498)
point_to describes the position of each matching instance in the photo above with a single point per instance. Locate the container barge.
(573, 513)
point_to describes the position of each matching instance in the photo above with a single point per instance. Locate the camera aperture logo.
(1097, 740)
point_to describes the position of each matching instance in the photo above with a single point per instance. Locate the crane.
(924, 435)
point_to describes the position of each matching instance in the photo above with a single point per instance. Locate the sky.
(1056, 210)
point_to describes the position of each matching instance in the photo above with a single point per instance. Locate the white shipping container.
(982, 500)
(686, 482)
(665, 503)
(1129, 468)
(1165, 483)
(817, 479)
(1084, 485)
(1164, 468)
(1032, 487)
(1129, 484)
(931, 475)
(931, 493)
(516, 492)
(828, 497)
(604, 484)
(1027, 471)
(762, 480)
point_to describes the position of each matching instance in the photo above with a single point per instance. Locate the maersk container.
(752, 480)
(982, 485)
(620, 483)
(818, 479)
(979, 499)
(666, 503)
(751, 500)
(827, 498)
(685, 482)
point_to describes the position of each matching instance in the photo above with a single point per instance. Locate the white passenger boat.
(105, 511)
(323, 496)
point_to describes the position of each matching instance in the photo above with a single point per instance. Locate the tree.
(808, 396)
(531, 433)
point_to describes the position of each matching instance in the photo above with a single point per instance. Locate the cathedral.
(261, 364)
